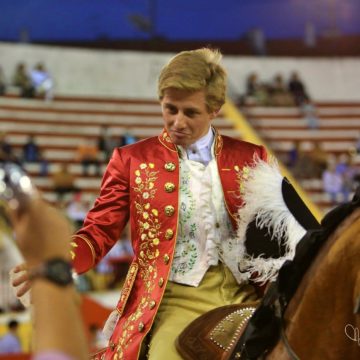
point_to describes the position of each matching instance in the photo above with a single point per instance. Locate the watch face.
(59, 272)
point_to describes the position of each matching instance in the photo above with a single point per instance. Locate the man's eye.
(190, 114)
(172, 110)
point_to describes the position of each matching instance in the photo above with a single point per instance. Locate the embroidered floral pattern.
(149, 228)
(242, 175)
(186, 249)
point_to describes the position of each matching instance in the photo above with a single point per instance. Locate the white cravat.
(200, 151)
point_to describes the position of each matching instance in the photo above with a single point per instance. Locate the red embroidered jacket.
(141, 184)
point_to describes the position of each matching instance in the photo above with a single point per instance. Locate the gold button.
(112, 346)
(169, 210)
(166, 259)
(141, 326)
(169, 234)
(170, 166)
(161, 282)
(169, 187)
(217, 225)
(152, 304)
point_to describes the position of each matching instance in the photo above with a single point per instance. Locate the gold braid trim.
(88, 242)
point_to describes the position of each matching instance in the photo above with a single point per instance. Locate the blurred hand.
(41, 233)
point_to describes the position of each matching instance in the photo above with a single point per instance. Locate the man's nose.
(180, 121)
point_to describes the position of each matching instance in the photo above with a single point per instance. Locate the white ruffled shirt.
(205, 233)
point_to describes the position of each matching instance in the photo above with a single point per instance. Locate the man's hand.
(41, 233)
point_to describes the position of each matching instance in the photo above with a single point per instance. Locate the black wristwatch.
(56, 270)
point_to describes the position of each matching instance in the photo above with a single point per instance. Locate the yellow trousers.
(182, 304)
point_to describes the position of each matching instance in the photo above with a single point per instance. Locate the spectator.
(2, 82)
(357, 145)
(297, 89)
(256, 92)
(43, 235)
(22, 80)
(345, 169)
(63, 181)
(33, 154)
(332, 182)
(31, 151)
(106, 143)
(6, 153)
(128, 137)
(42, 82)
(88, 154)
(77, 209)
(279, 95)
(294, 154)
(10, 342)
(318, 158)
(309, 113)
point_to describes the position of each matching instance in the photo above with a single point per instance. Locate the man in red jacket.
(189, 194)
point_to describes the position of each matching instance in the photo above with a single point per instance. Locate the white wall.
(134, 74)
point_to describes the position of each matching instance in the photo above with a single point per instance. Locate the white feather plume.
(263, 201)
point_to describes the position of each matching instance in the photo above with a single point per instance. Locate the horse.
(322, 320)
(312, 311)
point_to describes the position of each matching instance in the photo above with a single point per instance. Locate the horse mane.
(264, 328)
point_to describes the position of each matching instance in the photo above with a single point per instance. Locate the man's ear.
(215, 113)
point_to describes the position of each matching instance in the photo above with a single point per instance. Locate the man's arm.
(42, 234)
(107, 219)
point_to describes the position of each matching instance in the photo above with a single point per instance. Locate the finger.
(23, 289)
(19, 280)
(19, 268)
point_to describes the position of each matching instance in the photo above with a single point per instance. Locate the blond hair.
(196, 70)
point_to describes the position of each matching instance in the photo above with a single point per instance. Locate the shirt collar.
(201, 150)
(204, 142)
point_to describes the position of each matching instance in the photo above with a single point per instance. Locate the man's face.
(185, 115)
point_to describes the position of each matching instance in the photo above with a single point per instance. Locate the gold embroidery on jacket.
(242, 175)
(149, 228)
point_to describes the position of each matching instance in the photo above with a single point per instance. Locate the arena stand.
(61, 125)
(122, 91)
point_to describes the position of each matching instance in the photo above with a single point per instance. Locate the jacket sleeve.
(106, 220)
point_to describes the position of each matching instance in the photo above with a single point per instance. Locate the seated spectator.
(43, 235)
(297, 89)
(357, 145)
(42, 82)
(112, 269)
(293, 154)
(279, 95)
(6, 153)
(63, 181)
(88, 154)
(256, 92)
(309, 113)
(77, 209)
(348, 173)
(319, 159)
(32, 154)
(22, 80)
(10, 342)
(31, 150)
(106, 143)
(2, 82)
(332, 182)
(127, 138)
